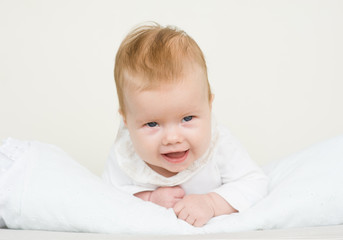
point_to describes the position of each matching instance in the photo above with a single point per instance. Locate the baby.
(168, 149)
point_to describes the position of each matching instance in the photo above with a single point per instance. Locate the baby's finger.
(190, 219)
(183, 215)
(199, 223)
(178, 207)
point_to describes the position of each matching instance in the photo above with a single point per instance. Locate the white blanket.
(46, 189)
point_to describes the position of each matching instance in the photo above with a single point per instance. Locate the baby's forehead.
(187, 92)
(171, 101)
(165, 87)
(139, 81)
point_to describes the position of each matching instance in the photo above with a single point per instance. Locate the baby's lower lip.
(176, 157)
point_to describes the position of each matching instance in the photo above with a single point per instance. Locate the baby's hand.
(167, 196)
(196, 209)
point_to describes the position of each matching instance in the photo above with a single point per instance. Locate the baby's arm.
(198, 209)
(164, 196)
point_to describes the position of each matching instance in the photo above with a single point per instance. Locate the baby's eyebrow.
(144, 120)
(140, 121)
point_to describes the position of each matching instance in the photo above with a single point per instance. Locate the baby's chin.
(168, 169)
(172, 171)
(177, 169)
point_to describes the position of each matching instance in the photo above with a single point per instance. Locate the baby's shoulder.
(225, 137)
(226, 144)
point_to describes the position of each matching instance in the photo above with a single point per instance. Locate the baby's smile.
(176, 157)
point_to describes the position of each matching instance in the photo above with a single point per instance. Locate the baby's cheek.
(146, 148)
(203, 144)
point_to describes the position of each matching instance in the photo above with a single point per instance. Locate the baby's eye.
(152, 124)
(187, 119)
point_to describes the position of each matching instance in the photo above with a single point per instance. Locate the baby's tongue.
(175, 154)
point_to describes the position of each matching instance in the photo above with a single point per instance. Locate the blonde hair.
(151, 55)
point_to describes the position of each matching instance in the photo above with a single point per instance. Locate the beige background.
(276, 68)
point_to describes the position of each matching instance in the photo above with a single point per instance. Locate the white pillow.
(46, 189)
(305, 189)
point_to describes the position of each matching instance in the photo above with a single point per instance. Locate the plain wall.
(276, 69)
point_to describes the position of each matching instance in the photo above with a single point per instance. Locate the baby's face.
(170, 127)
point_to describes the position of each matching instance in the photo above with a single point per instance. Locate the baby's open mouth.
(176, 157)
(175, 154)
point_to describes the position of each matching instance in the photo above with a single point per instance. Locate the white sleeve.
(243, 181)
(116, 177)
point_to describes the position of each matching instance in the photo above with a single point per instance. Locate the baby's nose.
(172, 136)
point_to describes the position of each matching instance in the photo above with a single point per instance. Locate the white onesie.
(225, 168)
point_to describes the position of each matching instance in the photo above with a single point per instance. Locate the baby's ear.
(211, 100)
(123, 116)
